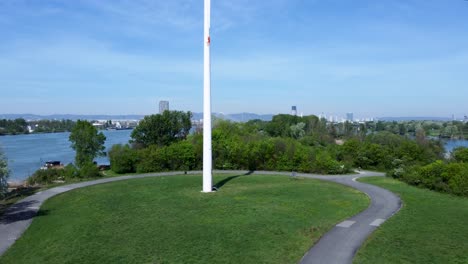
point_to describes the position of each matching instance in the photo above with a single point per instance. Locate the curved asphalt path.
(337, 246)
(340, 244)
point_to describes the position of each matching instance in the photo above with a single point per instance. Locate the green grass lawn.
(22, 193)
(252, 219)
(430, 228)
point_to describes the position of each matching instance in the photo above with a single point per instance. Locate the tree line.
(20, 126)
(292, 143)
(440, 129)
(288, 143)
(163, 142)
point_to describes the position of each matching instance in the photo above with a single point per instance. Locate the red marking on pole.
(209, 41)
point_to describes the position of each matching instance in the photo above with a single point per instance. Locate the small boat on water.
(52, 165)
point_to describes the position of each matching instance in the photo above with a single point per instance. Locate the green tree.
(162, 129)
(123, 159)
(280, 125)
(87, 143)
(460, 154)
(297, 131)
(4, 173)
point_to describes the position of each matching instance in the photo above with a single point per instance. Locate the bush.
(178, 156)
(431, 176)
(123, 159)
(325, 164)
(46, 176)
(89, 170)
(439, 176)
(151, 160)
(412, 176)
(373, 156)
(460, 154)
(458, 182)
(70, 172)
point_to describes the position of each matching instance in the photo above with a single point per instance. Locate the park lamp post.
(207, 156)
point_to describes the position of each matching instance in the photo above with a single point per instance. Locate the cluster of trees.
(451, 129)
(162, 129)
(450, 176)
(20, 126)
(162, 142)
(159, 143)
(13, 127)
(88, 144)
(51, 126)
(287, 143)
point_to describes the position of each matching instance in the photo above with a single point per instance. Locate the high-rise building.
(349, 117)
(163, 106)
(294, 110)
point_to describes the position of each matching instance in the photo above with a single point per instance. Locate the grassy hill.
(252, 219)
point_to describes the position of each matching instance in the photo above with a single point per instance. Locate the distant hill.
(241, 117)
(238, 117)
(244, 117)
(71, 117)
(419, 118)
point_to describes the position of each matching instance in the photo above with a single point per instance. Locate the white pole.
(207, 158)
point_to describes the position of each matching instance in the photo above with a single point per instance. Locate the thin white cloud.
(80, 53)
(178, 14)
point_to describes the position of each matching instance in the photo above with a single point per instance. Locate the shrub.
(123, 159)
(439, 176)
(375, 156)
(89, 170)
(412, 176)
(460, 154)
(458, 184)
(46, 176)
(150, 160)
(324, 163)
(70, 171)
(179, 156)
(431, 176)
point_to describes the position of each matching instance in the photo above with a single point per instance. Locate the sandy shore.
(16, 184)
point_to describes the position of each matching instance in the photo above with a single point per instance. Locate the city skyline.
(404, 58)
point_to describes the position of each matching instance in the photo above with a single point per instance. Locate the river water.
(27, 153)
(452, 144)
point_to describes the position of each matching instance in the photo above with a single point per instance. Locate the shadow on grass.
(22, 211)
(221, 183)
(21, 192)
(14, 196)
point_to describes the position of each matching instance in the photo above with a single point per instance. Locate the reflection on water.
(26, 153)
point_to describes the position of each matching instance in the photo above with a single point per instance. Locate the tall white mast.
(207, 158)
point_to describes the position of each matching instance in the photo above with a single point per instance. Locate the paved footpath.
(337, 246)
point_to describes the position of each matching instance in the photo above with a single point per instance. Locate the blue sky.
(373, 58)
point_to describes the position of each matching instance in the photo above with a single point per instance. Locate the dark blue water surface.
(27, 153)
(452, 144)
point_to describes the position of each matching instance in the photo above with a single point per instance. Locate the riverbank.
(27, 153)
